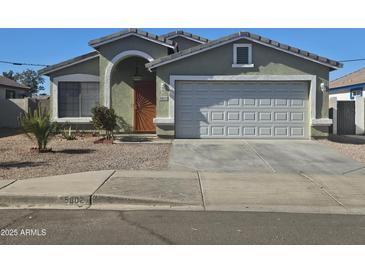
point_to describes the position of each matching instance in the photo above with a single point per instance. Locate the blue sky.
(50, 46)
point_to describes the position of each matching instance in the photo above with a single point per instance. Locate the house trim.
(109, 68)
(310, 78)
(69, 78)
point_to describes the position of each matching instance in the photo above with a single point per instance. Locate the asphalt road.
(177, 227)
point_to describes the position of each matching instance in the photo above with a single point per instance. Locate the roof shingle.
(4, 81)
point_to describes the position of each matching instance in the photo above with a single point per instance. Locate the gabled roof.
(248, 36)
(186, 35)
(70, 62)
(136, 32)
(353, 78)
(4, 81)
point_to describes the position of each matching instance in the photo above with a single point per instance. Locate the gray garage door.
(241, 109)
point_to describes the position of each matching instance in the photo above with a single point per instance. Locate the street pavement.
(177, 227)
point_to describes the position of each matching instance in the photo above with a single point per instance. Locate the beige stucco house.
(180, 85)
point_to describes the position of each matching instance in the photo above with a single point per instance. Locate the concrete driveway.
(262, 156)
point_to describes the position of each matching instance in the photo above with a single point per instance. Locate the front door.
(144, 106)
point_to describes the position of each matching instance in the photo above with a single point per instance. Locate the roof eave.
(347, 86)
(333, 65)
(11, 86)
(102, 41)
(67, 63)
(186, 37)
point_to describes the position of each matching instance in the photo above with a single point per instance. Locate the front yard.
(351, 146)
(17, 161)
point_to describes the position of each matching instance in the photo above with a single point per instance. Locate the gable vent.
(242, 55)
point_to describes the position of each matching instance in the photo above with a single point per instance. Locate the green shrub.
(104, 119)
(39, 127)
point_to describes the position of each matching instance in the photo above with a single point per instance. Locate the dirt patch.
(349, 147)
(17, 161)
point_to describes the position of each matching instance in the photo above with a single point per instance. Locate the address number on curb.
(75, 200)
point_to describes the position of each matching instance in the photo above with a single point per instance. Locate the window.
(242, 56)
(9, 94)
(76, 99)
(355, 92)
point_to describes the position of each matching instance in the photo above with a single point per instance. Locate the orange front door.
(144, 106)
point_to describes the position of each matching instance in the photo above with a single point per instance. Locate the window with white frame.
(242, 55)
(355, 92)
(76, 99)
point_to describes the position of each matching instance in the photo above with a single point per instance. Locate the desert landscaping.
(19, 161)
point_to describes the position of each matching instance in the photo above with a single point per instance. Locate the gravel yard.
(349, 146)
(17, 161)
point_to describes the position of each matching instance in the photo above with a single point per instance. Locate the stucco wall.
(87, 67)
(267, 61)
(184, 43)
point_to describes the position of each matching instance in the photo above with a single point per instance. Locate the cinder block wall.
(11, 109)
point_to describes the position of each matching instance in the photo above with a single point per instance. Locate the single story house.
(180, 85)
(10, 89)
(347, 87)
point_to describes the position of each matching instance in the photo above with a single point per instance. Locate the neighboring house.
(347, 87)
(180, 85)
(10, 89)
(13, 102)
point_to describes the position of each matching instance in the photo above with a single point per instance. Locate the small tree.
(104, 119)
(38, 126)
(28, 77)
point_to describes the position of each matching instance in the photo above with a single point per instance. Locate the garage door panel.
(265, 116)
(233, 116)
(281, 102)
(217, 116)
(281, 116)
(241, 110)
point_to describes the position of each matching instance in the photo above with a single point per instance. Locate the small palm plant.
(39, 127)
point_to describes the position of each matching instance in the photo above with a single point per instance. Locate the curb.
(59, 202)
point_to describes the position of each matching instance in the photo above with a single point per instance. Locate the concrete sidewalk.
(190, 190)
(62, 191)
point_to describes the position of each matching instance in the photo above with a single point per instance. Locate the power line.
(352, 60)
(23, 64)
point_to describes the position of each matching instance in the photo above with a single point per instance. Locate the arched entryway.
(133, 94)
